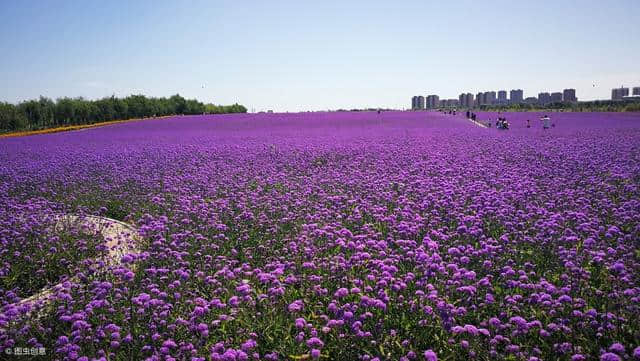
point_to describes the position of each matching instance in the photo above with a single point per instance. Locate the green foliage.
(46, 113)
(592, 106)
(222, 109)
(11, 117)
(633, 107)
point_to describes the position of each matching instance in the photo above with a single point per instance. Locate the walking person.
(546, 122)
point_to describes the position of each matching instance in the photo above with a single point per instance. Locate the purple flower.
(169, 344)
(300, 323)
(617, 348)
(471, 329)
(429, 355)
(315, 342)
(608, 356)
(341, 292)
(203, 329)
(296, 306)
(230, 355)
(128, 276)
(618, 267)
(248, 345)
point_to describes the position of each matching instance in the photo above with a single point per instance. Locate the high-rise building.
(490, 97)
(450, 103)
(569, 95)
(502, 96)
(420, 102)
(618, 93)
(636, 90)
(414, 102)
(516, 96)
(556, 97)
(544, 98)
(433, 101)
(469, 101)
(480, 99)
(462, 100)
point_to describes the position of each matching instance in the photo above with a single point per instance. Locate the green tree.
(179, 104)
(44, 113)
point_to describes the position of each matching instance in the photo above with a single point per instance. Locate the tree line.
(46, 113)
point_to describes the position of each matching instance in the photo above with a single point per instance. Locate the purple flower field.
(331, 236)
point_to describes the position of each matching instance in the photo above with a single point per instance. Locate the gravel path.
(476, 123)
(121, 238)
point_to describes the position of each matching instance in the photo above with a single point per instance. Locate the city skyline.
(313, 56)
(516, 96)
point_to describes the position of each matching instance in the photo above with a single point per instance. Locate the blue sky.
(303, 55)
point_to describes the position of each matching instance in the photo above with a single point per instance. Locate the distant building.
(531, 100)
(433, 101)
(556, 97)
(469, 101)
(636, 90)
(544, 98)
(420, 102)
(569, 95)
(453, 103)
(502, 97)
(490, 97)
(516, 96)
(414, 102)
(480, 99)
(465, 100)
(618, 93)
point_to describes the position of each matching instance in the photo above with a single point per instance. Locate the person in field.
(545, 122)
(528, 123)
